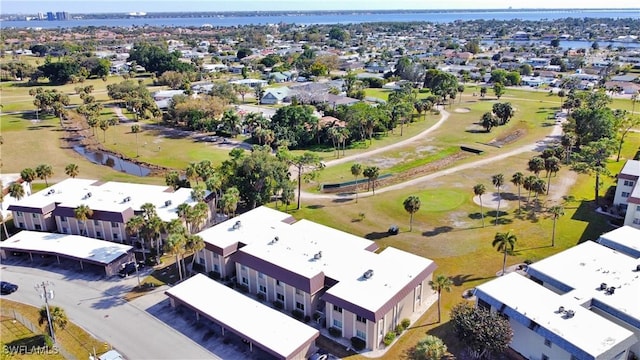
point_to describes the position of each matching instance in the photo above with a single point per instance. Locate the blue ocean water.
(305, 19)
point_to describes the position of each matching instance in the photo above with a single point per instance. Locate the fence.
(346, 184)
(13, 314)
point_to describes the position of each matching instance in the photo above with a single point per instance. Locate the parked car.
(7, 287)
(393, 230)
(129, 268)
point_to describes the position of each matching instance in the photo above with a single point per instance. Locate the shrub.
(307, 318)
(261, 296)
(316, 316)
(215, 275)
(335, 332)
(388, 339)
(399, 329)
(358, 343)
(297, 314)
(243, 288)
(405, 323)
(278, 304)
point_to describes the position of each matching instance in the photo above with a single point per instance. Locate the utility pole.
(47, 295)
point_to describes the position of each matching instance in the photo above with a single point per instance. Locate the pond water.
(114, 162)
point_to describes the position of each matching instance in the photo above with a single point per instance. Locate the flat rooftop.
(625, 239)
(586, 330)
(74, 246)
(579, 271)
(262, 325)
(631, 167)
(110, 196)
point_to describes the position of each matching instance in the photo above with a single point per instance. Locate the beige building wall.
(33, 221)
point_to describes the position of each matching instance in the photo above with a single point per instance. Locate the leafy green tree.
(243, 53)
(50, 101)
(479, 190)
(442, 84)
(439, 284)
(498, 90)
(624, 126)
(483, 91)
(302, 163)
(231, 123)
(294, 125)
(411, 205)
(592, 158)
(194, 244)
(356, 170)
(339, 34)
(555, 211)
(430, 348)
(44, 171)
(485, 333)
(593, 124)
(504, 112)
(505, 243)
(488, 121)
(158, 59)
(498, 181)
(60, 73)
(568, 140)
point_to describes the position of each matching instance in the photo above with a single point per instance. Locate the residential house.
(277, 95)
(336, 278)
(627, 195)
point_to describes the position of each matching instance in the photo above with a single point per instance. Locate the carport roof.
(273, 331)
(71, 246)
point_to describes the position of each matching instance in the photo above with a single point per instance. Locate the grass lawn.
(73, 339)
(17, 336)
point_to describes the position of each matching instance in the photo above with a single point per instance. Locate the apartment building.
(579, 304)
(336, 279)
(113, 204)
(628, 193)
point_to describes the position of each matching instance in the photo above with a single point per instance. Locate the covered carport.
(275, 333)
(87, 251)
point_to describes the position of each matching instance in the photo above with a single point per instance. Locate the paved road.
(97, 306)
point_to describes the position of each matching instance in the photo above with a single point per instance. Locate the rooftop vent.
(318, 255)
(275, 239)
(127, 199)
(638, 267)
(167, 203)
(237, 225)
(88, 195)
(368, 274)
(561, 309)
(611, 290)
(51, 191)
(569, 314)
(603, 286)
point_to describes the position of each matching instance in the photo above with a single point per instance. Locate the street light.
(47, 295)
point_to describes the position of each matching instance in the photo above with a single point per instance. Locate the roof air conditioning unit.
(237, 225)
(88, 194)
(318, 255)
(368, 274)
(638, 267)
(561, 309)
(611, 290)
(603, 286)
(570, 314)
(167, 203)
(275, 239)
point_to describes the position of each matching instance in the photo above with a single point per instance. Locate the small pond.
(114, 162)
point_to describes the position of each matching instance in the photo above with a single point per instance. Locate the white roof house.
(271, 330)
(625, 239)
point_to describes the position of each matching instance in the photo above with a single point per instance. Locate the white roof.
(110, 196)
(585, 266)
(260, 324)
(586, 330)
(76, 246)
(631, 167)
(621, 238)
(8, 200)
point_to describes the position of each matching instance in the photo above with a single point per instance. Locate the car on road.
(129, 268)
(7, 287)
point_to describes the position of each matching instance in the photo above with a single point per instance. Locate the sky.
(119, 6)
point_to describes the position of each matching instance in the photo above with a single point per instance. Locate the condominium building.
(582, 303)
(335, 278)
(628, 193)
(112, 203)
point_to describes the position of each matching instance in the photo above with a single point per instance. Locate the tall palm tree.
(175, 245)
(183, 212)
(552, 166)
(556, 211)
(229, 201)
(4, 225)
(16, 191)
(134, 225)
(539, 187)
(135, 129)
(197, 216)
(83, 213)
(28, 175)
(440, 283)
(479, 190)
(528, 185)
(568, 140)
(505, 243)
(191, 172)
(356, 170)
(71, 170)
(518, 179)
(195, 244)
(498, 181)
(372, 173)
(58, 317)
(411, 205)
(44, 171)
(535, 165)
(198, 192)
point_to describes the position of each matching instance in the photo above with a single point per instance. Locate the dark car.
(7, 287)
(393, 230)
(128, 269)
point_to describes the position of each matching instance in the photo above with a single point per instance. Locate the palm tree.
(197, 215)
(568, 140)
(441, 283)
(28, 175)
(356, 170)
(191, 172)
(71, 170)
(133, 226)
(4, 225)
(504, 242)
(82, 214)
(175, 245)
(528, 185)
(518, 179)
(552, 166)
(135, 129)
(556, 211)
(195, 244)
(535, 165)
(16, 191)
(58, 317)
(498, 181)
(44, 171)
(539, 187)
(411, 205)
(479, 190)
(372, 173)
(229, 201)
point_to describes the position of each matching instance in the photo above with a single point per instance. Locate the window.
(278, 283)
(298, 292)
(299, 306)
(243, 268)
(361, 334)
(337, 323)
(21, 225)
(280, 297)
(215, 256)
(263, 289)
(360, 319)
(38, 227)
(115, 236)
(35, 216)
(638, 208)
(64, 230)
(19, 213)
(337, 308)
(63, 218)
(83, 232)
(260, 275)
(547, 342)
(201, 261)
(628, 183)
(245, 280)
(636, 221)
(216, 268)
(114, 224)
(624, 194)
(96, 222)
(98, 234)
(544, 357)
